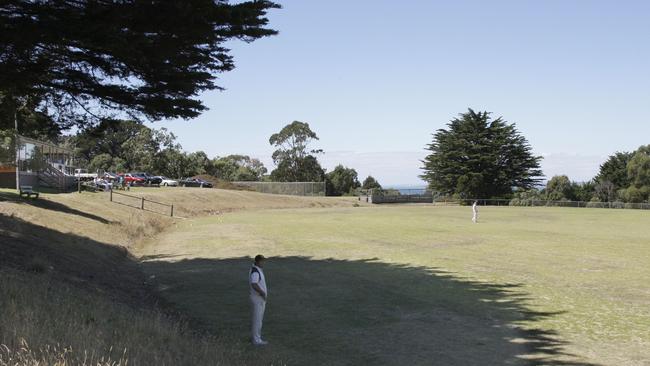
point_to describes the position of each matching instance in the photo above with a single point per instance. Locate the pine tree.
(480, 157)
(86, 60)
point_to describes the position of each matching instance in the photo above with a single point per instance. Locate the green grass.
(46, 322)
(420, 284)
(71, 295)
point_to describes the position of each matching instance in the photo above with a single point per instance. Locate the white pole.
(17, 149)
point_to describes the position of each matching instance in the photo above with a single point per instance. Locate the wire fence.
(141, 203)
(543, 203)
(399, 196)
(287, 188)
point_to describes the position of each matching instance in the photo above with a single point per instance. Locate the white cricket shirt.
(257, 276)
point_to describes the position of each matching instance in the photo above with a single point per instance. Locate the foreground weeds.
(47, 323)
(52, 355)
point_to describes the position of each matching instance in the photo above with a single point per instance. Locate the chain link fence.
(543, 203)
(398, 196)
(287, 188)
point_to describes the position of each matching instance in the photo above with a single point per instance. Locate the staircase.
(54, 178)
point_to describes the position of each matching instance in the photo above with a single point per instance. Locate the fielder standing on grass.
(475, 212)
(258, 295)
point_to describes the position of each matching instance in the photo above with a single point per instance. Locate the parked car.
(195, 182)
(83, 175)
(102, 184)
(167, 182)
(148, 179)
(111, 177)
(132, 180)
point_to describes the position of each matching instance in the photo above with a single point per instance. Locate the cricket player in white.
(475, 212)
(258, 294)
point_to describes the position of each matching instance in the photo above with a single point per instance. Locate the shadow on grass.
(320, 312)
(72, 259)
(364, 312)
(49, 205)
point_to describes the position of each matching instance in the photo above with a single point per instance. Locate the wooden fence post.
(142, 206)
(111, 195)
(172, 211)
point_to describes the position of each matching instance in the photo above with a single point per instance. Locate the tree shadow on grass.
(320, 312)
(365, 312)
(49, 205)
(73, 259)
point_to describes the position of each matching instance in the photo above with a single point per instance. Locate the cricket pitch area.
(419, 284)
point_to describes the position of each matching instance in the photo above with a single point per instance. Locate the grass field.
(369, 285)
(71, 293)
(407, 285)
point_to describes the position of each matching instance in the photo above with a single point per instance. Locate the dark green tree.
(305, 169)
(80, 60)
(107, 137)
(31, 122)
(295, 161)
(605, 191)
(237, 168)
(638, 168)
(584, 192)
(175, 163)
(477, 156)
(7, 148)
(131, 146)
(559, 188)
(370, 183)
(342, 181)
(638, 173)
(614, 170)
(107, 163)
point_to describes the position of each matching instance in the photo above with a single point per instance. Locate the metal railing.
(141, 203)
(287, 188)
(543, 203)
(400, 196)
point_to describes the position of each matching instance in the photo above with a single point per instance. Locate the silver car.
(167, 182)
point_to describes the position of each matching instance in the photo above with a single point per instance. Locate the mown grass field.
(407, 285)
(72, 293)
(369, 285)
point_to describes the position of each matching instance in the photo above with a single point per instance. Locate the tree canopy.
(342, 181)
(122, 146)
(625, 176)
(32, 123)
(237, 168)
(370, 183)
(80, 61)
(477, 156)
(614, 170)
(638, 173)
(559, 188)
(295, 161)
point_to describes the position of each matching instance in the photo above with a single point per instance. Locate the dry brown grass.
(45, 322)
(71, 293)
(190, 202)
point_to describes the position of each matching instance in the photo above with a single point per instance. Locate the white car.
(168, 182)
(82, 174)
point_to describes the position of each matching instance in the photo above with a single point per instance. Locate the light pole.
(17, 149)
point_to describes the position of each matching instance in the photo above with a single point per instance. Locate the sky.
(374, 79)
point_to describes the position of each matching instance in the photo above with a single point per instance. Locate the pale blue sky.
(375, 78)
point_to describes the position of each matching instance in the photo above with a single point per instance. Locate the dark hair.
(259, 258)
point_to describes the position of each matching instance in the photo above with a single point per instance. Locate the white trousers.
(475, 217)
(258, 305)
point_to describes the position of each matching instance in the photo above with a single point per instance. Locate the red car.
(132, 179)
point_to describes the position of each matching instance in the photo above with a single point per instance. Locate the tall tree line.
(122, 146)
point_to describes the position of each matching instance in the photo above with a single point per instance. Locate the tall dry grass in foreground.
(47, 323)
